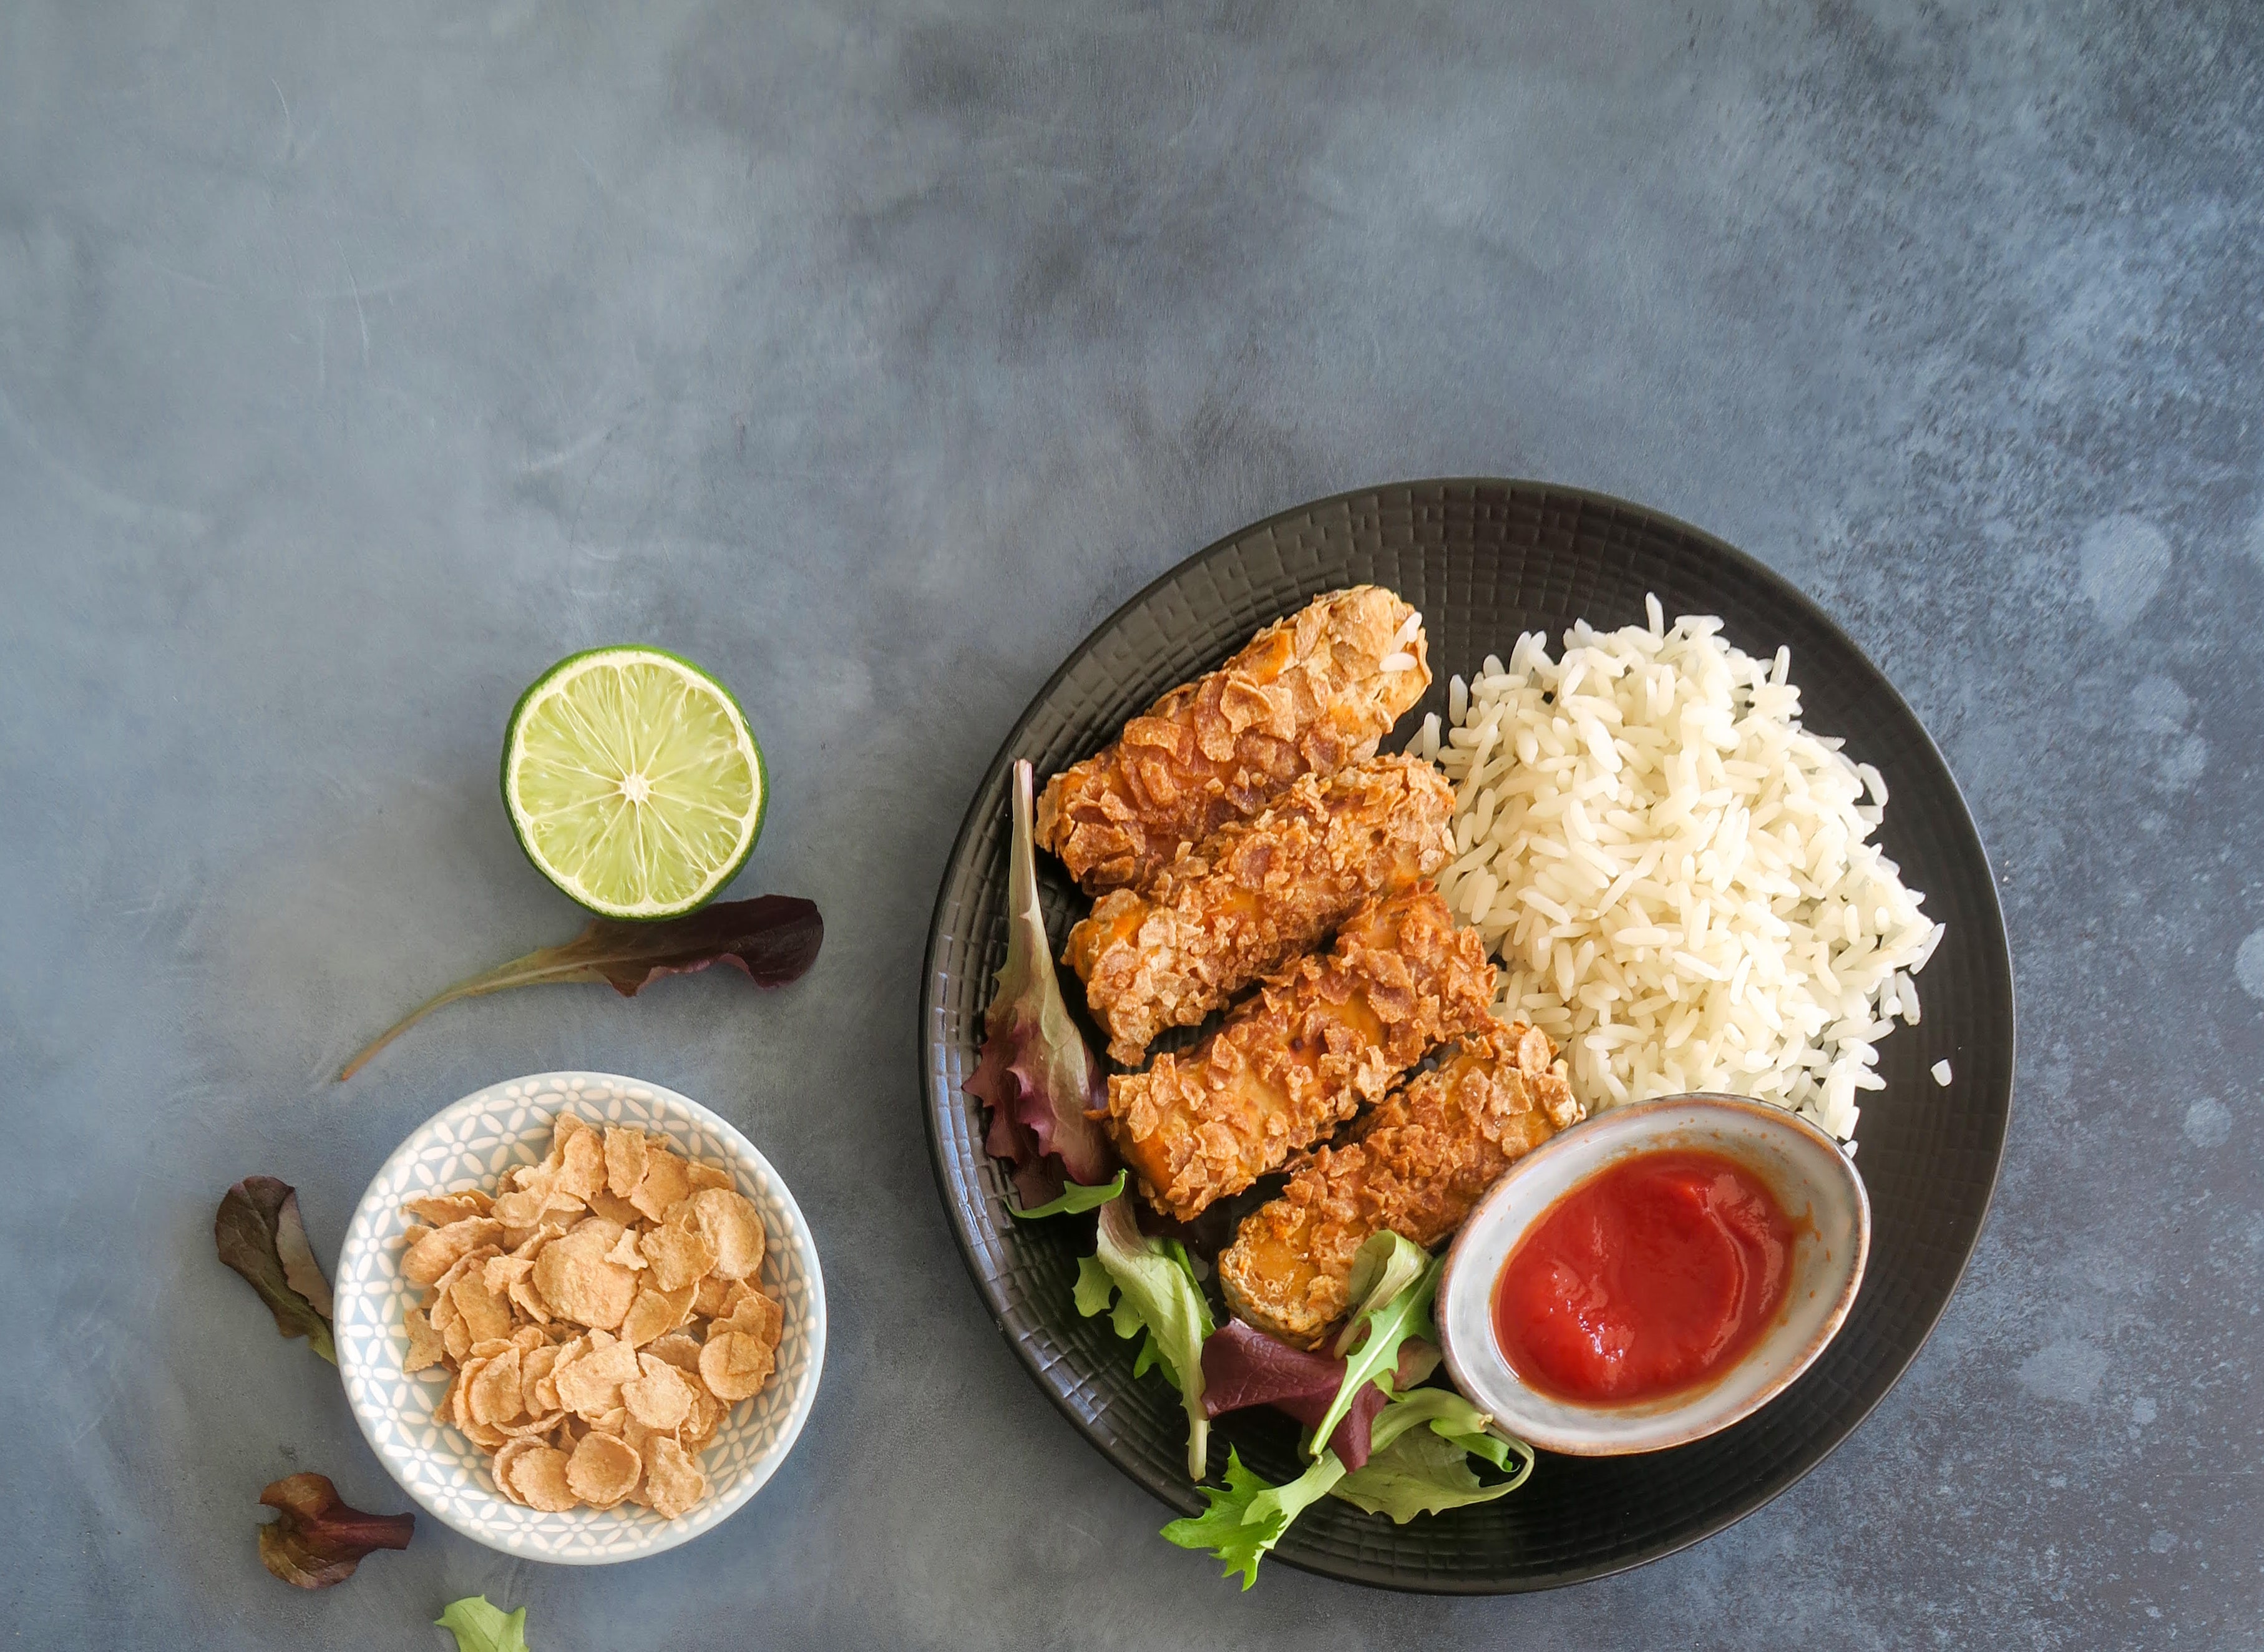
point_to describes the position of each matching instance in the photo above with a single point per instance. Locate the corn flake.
(660, 1399)
(603, 1470)
(539, 1477)
(731, 1224)
(673, 1479)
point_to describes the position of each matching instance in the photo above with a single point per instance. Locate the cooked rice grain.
(1678, 877)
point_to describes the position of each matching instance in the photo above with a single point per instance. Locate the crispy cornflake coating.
(1255, 894)
(1306, 695)
(539, 1298)
(1302, 1055)
(1418, 1164)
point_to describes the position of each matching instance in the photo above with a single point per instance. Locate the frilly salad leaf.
(259, 1235)
(1422, 1470)
(1247, 1520)
(1378, 1331)
(1415, 1469)
(771, 939)
(1037, 1075)
(1076, 1196)
(317, 1540)
(1157, 1296)
(480, 1626)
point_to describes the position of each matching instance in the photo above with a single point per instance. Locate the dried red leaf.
(1037, 1075)
(771, 939)
(258, 1232)
(317, 1540)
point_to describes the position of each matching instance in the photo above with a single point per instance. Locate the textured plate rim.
(1182, 1499)
(361, 1232)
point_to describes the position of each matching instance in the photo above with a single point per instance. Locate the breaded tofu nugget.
(1308, 695)
(1302, 1055)
(1255, 894)
(1416, 1164)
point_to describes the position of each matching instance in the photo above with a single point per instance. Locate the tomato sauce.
(1649, 1278)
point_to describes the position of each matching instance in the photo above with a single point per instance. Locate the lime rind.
(633, 782)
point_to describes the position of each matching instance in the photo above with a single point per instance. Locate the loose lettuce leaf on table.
(479, 1626)
(1036, 1075)
(1157, 1298)
(1248, 1517)
(317, 1540)
(771, 939)
(259, 1233)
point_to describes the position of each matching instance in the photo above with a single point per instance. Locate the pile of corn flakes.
(599, 1316)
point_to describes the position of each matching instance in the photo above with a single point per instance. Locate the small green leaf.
(480, 1626)
(1382, 1267)
(1160, 1299)
(1075, 1197)
(1452, 1417)
(1094, 1287)
(1376, 1355)
(1247, 1520)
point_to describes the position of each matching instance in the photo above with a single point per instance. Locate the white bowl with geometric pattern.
(471, 1143)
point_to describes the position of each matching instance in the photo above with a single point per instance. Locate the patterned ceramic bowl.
(489, 1131)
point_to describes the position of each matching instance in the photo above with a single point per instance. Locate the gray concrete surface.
(357, 361)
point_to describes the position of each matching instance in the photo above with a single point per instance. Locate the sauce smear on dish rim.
(1653, 1275)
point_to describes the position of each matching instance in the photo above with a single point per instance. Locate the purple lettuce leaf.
(1037, 1075)
(1243, 1367)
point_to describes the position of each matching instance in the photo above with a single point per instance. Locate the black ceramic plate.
(1486, 560)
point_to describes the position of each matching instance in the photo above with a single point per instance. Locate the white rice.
(1677, 876)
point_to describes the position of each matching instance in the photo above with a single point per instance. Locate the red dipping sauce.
(1649, 1278)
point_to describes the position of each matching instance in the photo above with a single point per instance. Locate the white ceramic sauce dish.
(1806, 1171)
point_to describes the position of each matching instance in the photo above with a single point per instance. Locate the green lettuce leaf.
(1383, 1266)
(1415, 1469)
(1452, 1417)
(1420, 1464)
(1419, 1472)
(1075, 1196)
(480, 1626)
(1157, 1296)
(1248, 1517)
(1375, 1356)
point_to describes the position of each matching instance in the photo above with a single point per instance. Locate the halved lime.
(632, 781)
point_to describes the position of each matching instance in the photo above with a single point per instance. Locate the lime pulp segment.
(633, 782)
